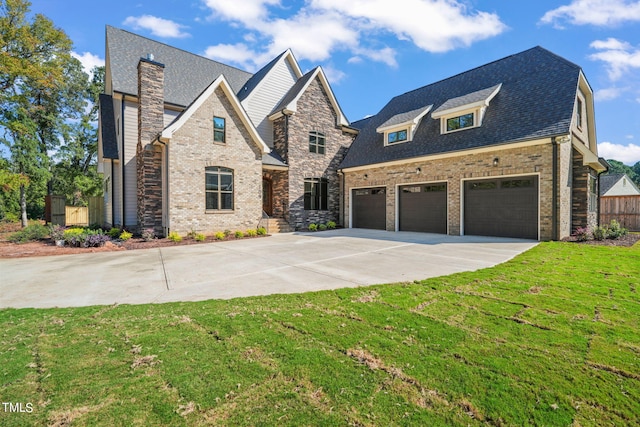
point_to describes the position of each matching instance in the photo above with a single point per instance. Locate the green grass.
(550, 338)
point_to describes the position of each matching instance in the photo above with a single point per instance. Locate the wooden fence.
(57, 213)
(54, 210)
(624, 209)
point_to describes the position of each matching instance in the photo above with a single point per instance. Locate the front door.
(267, 196)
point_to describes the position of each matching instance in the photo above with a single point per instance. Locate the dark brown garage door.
(369, 208)
(423, 207)
(504, 207)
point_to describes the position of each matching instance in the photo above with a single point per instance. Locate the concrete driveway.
(283, 263)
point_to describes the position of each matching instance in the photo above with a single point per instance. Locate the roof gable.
(618, 184)
(220, 82)
(253, 84)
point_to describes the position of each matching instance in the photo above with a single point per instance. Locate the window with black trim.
(219, 130)
(317, 142)
(316, 194)
(396, 137)
(460, 122)
(219, 188)
(579, 114)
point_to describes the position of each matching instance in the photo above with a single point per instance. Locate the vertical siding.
(128, 159)
(268, 94)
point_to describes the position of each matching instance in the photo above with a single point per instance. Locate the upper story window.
(218, 188)
(579, 114)
(316, 196)
(219, 130)
(397, 136)
(460, 122)
(317, 142)
(401, 127)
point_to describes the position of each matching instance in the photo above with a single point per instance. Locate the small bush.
(220, 235)
(582, 234)
(199, 237)
(251, 233)
(227, 233)
(148, 234)
(262, 231)
(56, 232)
(615, 230)
(313, 227)
(174, 237)
(30, 233)
(322, 227)
(74, 236)
(115, 232)
(85, 238)
(239, 234)
(600, 233)
(125, 235)
(331, 225)
(95, 240)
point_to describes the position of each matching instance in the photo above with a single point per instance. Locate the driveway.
(282, 263)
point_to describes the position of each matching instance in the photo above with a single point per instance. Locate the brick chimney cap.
(150, 59)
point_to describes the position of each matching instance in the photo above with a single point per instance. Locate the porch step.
(278, 225)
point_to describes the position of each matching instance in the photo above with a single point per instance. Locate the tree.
(617, 167)
(39, 82)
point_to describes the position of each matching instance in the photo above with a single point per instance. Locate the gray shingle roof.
(536, 101)
(273, 159)
(608, 181)
(471, 98)
(108, 127)
(186, 74)
(401, 118)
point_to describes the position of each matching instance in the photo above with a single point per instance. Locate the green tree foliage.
(41, 88)
(617, 167)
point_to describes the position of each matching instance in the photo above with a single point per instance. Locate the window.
(219, 188)
(579, 114)
(315, 194)
(460, 122)
(219, 130)
(317, 142)
(397, 136)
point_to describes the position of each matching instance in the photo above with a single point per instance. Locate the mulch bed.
(627, 240)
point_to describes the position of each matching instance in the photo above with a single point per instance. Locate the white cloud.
(158, 26)
(608, 94)
(619, 56)
(238, 53)
(333, 74)
(321, 27)
(88, 61)
(594, 12)
(628, 154)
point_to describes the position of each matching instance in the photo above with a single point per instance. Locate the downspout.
(554, 200)
(607, 166)
(113, 205)
(123, 164)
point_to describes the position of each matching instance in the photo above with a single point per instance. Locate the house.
(618, 184)
(505, 149)
(190, 144)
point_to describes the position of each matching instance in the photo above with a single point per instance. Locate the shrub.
(74, 236)
(95, 239)
(251, 233)
(174, 237)
(85, 238)
(199, 237)
(227, 233)
(125, 235)
(220, 235)
(239, 234)
(615, 230)
(600, 233)
(56, 232)
(148, 234)
(30, 233)
(331, 225)
(582, 234)
(313, 227)
(322, 227)
(114, 232)
(261, 231)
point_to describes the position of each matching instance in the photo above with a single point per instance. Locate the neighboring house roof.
(618, 184)
(108, 128)
(536, 100)
(289, 102)
(186, 74)
(258, 77)
(220, 82)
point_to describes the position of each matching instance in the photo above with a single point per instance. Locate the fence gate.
(54, 210)
(624, 209)
(96, 210)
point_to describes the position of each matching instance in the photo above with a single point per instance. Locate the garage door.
(423, 207)
(369, 208)
(504, 207)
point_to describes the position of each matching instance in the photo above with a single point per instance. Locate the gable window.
(317, 142)
(219, 130)
(218, 188)
(315, 194)
(460, 122)
(396, 137)
(579, 114)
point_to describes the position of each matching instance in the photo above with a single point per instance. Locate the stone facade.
(192, 149)
(148, 156)
(584, 202)
(291, 140)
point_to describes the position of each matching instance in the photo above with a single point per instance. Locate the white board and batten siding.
(267, 95)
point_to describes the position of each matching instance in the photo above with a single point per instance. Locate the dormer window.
(396, 137)
(464, 112)
(401, 127)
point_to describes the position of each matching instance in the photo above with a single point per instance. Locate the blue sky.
(373, 50)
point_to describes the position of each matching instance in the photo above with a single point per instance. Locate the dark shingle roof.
(608, 181)
(359, 124)
(471, 98)
(536, 101)
(108, 128)
(401, 118)
(186, 74)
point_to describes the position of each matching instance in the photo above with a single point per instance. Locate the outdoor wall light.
(496, 161)
(418, 170)
(366, 176)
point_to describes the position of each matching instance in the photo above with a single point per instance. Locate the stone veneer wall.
(192, 149)
(149, 157)
(314, 113)
(582, 216)
(531, 160)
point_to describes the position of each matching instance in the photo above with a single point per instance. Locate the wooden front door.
(267, 196)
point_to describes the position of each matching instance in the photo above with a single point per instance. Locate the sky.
(373, 50)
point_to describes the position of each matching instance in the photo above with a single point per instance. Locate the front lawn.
(550, 338)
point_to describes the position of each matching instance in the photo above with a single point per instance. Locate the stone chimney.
(149, 155)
